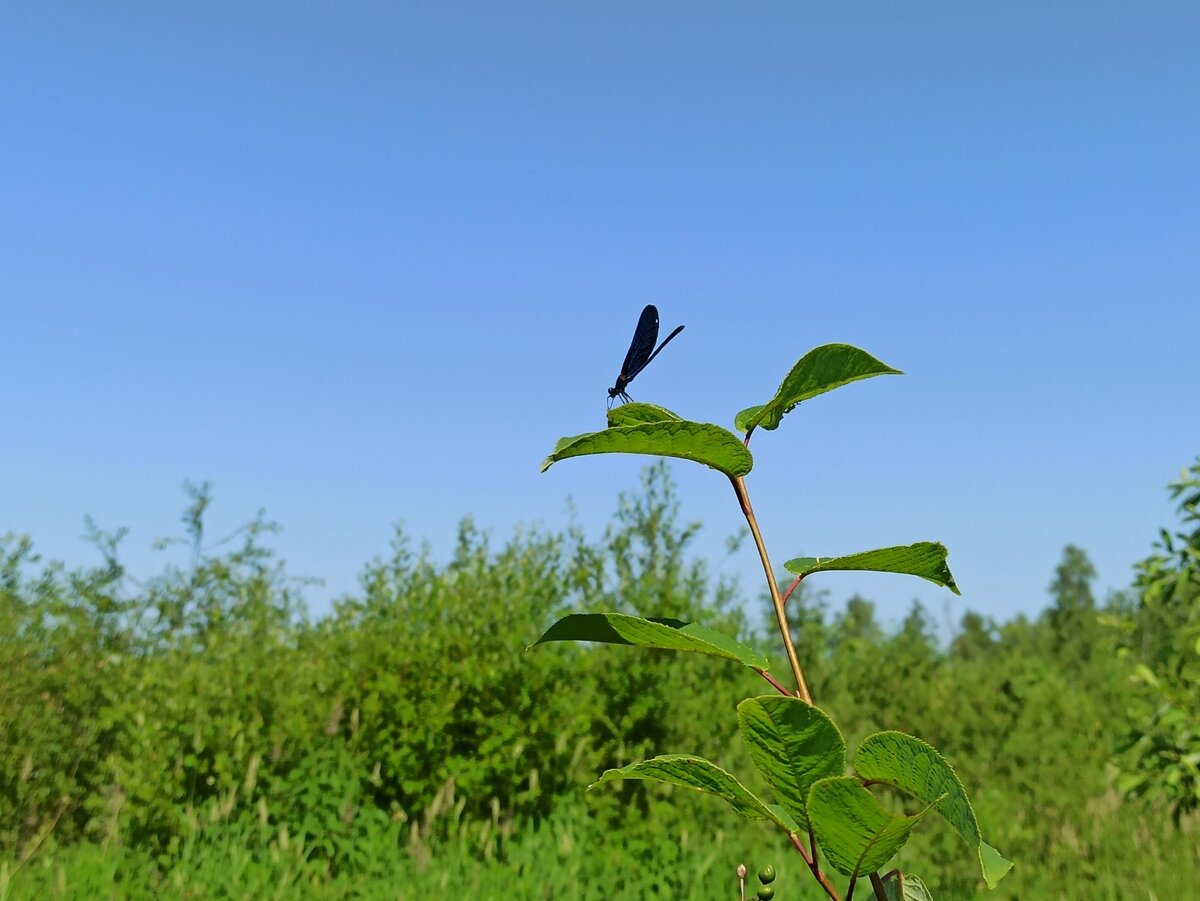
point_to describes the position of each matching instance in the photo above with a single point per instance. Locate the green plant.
(1160, 636)
(797, 748)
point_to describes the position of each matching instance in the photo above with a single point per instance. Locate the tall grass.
(567, 857)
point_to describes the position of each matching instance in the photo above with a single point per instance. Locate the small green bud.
(766, 874)
(766, 893)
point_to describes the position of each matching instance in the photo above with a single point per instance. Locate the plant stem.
(795, 584)
(739, 488)
(816, 870)
(877, 884)
(785, 632)
(775, 682)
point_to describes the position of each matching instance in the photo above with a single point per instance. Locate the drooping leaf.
(699, 775)
(654, 632)
(918, 768)
(793, 744)
(636, 413)
(855, 831)
(821, 369)
(906, 888)
(700, 442)
(926, 559)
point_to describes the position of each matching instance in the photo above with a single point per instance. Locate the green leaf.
(1145, 674)
(699, 775)
(782, 815)
(700, 442)
(918, 768)
(654, 632)
(636, 413)
(926, 559)
(821, 369)
(906, 888)
(746, 416)
(857, 834)
(993, 865)
(793, 745)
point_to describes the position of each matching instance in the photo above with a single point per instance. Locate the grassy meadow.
(196, 734)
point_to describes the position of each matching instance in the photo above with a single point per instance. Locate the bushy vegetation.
(198, 735)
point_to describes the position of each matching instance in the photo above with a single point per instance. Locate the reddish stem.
(800, 847)
(774, 682)
(795, 584)
(816, 870)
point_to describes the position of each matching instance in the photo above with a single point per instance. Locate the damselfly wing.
(641, 351)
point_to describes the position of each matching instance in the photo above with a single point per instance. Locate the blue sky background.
(363, 264)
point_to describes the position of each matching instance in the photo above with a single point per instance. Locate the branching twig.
(816, 870)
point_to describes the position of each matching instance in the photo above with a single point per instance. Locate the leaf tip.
(995, 866)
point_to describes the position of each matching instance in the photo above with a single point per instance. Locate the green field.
(194, 734)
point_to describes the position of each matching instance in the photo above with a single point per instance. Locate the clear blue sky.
(363, 264)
